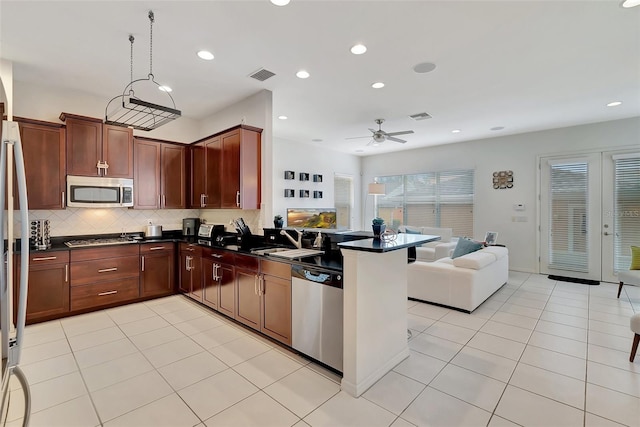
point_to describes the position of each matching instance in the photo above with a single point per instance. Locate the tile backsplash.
(79, 221)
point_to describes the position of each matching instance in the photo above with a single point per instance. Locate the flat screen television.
(311, 218)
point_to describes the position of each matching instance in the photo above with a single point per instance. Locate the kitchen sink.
(265, 251)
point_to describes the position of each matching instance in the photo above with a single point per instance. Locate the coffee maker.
(190, 227)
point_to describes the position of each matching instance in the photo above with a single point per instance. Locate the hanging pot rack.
(128, 110)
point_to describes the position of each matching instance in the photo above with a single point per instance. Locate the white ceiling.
(524, 65)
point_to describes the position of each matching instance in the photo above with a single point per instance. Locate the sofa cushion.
(465, 246)
(498, 251)
(445, 233)
(635, 258)
(475, 260)
(409, 229)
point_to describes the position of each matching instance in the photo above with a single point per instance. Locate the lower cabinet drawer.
(87, 272)
(88, 296)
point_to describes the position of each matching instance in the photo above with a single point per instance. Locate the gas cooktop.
(98, 242)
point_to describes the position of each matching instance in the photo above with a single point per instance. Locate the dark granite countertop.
(331, 260)
(402, 241)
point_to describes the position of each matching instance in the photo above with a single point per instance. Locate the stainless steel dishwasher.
(316, 314)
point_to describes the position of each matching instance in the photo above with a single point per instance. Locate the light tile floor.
(538, 352)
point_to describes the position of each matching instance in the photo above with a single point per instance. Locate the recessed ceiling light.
(165, 88)
(614, 104)
(302, 74)
(630, 3)
(283, 117)
(455, 131)
(377, 85)
(358, 49)
(280, 2)
(424, 67)
(316, 140)
(206, 55)
(497, 128)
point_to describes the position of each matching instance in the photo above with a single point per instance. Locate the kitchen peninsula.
(375, 308)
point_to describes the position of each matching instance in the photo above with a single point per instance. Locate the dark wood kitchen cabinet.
(218, 280)
(160, 175)
(275, 291)
(91, 143)
(48, 292)
(206, 159)
(43, 147)
(190, 281)
(247, 290)
(104, 276)
(225, 170)
(157, 272)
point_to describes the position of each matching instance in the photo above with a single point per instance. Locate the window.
(432, 199)
(343, 200)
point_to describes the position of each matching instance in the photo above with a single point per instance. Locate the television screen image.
(311, 218)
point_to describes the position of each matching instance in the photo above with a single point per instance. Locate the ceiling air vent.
(420, 116)
(262, 74)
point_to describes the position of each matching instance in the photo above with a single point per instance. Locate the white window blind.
(626, 210)
(568, 217)
(432, 199)
(343, 200)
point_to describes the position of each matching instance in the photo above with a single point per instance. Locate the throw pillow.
(465, 246)
(410, 231)
(635, 258)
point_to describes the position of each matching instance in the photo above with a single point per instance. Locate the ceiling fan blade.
(359, 137)
(372, 130)
(390, 138)
(406, 132)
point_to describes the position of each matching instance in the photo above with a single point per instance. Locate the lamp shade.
(375, 188)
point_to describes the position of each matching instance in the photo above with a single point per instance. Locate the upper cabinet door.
(44, 161)
(197, 183)
(117, 151)
(84, 146)
(231, 170)
(173, 177)
(241, 169)
(213, 160)
(146, 187)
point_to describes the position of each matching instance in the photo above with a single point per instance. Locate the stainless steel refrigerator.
(13, 334)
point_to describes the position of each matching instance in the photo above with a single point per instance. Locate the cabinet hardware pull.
(46, 258)
(66, 273)
(216, 256)
(261, 285)
(142, 259)
(156, 248)
(63, 199)
(159, 201)
(202, 200)
(101, 294)
(238, 198)
(255, 285)
(213, 272)
(164, 201)
(106, 270)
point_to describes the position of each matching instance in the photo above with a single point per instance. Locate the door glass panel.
(568, 217)
(626, 216)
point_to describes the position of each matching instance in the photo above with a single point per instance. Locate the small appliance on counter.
(210, 231)
(40, 234)
(190, 227)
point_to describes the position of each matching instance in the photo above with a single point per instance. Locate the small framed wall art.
(502, 179)
(289, 175)
(304, 193)
(304, 176)
(289, 192)
(317, 194)
(317, 178)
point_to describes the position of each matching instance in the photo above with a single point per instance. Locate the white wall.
(301, 157)
(494, 208)
(6, 87)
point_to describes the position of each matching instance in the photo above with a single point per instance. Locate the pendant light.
(128, 110)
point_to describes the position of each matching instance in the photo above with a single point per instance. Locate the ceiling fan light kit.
(379, 136)
(127, 110)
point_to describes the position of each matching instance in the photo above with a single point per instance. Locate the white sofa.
(432, 251)
(464, 282)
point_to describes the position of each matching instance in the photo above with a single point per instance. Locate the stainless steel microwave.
(99, 192)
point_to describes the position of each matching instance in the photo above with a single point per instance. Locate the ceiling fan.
(379, 136)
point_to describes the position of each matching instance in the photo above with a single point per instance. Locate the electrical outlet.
(149, 222)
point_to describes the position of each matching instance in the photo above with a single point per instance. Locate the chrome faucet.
(296, 243)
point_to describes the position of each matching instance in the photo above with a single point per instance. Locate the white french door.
(589, 217)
